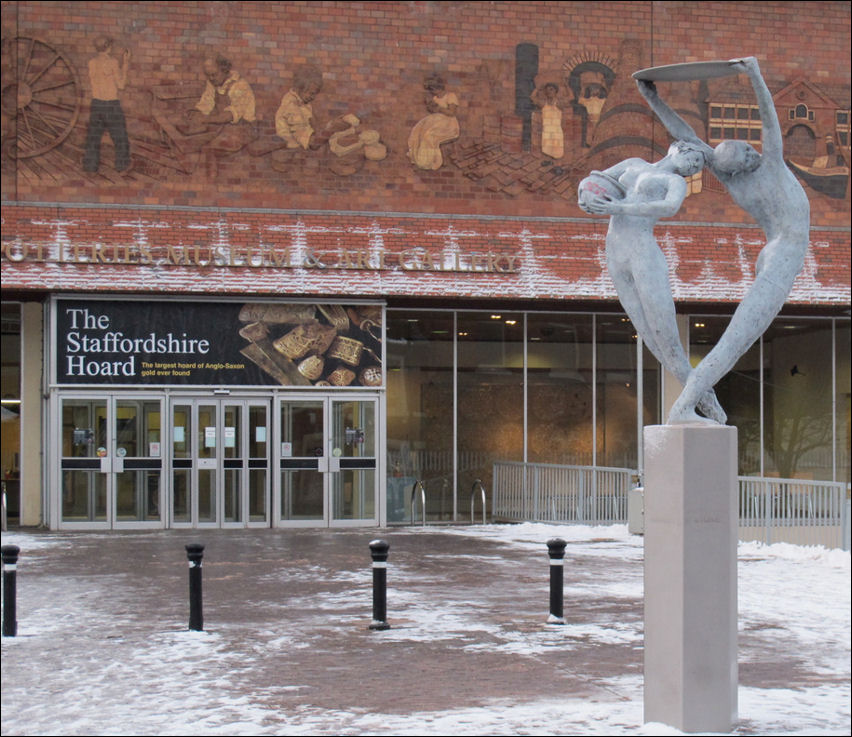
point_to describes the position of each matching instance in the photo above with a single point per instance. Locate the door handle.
(322, 464)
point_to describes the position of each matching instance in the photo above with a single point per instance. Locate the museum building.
(322, 264)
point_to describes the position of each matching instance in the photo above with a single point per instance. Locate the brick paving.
(290, 611)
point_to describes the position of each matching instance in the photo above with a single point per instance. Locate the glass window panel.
(301, 495)
(206, 495)
(137, 496)
(10, 448)
(232, 494)
(616, 392)
(231, 431)
(559, 389)
(490, 397)
(207, 431)
(651, 389)
(182, 431)
(258, 432)
(83, 427)
(181, 511)
(798, 418)
(420, 411)
(353, 429)
(842, 415)
(257, 495)
(127, 429)
(258, 443)
(353, 494)
(302, 429)
(83, 496)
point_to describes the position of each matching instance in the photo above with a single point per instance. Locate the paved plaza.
(287, 648)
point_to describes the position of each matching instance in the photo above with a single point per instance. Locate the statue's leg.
(750, 320)
(664, 341)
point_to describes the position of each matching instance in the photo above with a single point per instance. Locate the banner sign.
(218, 344)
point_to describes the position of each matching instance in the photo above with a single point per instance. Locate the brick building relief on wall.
(568, 119)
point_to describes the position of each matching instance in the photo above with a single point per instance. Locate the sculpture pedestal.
(691, 576)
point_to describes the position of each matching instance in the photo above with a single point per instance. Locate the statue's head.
(688, 159)
(735, 157)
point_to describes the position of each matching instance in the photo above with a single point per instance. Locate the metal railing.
(542, 492)
(794, 511)
(770, 509)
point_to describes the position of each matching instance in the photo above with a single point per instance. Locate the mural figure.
(763, 186)
(107, 76)
(590, 81)
(294, 119)
(636, 194)
(221, 123)
(552, 137)
(439, 126)
(296, 129)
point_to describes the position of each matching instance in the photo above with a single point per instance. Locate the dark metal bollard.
(556, 551)
(10, 576)
(194, 553)
(379, 551)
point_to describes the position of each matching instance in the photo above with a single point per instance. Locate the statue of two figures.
(636, 194)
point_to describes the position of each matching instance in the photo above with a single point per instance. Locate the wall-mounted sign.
(168, 343)
(263, 257)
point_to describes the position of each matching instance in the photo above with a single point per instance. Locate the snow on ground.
(167, 680)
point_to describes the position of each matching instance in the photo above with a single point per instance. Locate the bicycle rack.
(477, 483)
(422, 500)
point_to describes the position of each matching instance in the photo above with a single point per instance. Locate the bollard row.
(379, 552)
(10, 567)
(195, 553)
(556, 552)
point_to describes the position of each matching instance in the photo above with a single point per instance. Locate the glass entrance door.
(111, 462)
(327, 462)
(219, 463)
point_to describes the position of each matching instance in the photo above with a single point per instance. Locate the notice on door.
(209, 437)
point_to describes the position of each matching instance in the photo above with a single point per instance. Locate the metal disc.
(687, 71)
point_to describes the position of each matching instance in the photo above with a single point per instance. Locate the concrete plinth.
(691, 576)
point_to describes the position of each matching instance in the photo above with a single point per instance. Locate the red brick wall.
(374, 56)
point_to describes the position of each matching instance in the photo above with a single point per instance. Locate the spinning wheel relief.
(41, 102)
